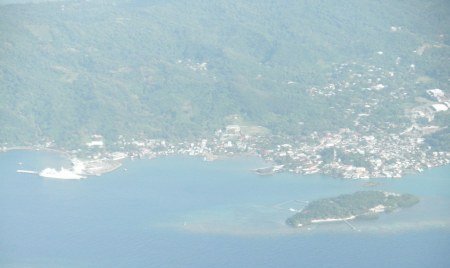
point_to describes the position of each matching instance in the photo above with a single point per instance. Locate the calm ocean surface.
(183, 212)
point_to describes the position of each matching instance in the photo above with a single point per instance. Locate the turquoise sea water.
(183, 212)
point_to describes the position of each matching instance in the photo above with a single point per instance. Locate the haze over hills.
(183, 69)
(110, 109)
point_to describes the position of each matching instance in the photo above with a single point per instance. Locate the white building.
(439, 107)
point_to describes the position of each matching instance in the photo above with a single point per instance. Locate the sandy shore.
(332, 219)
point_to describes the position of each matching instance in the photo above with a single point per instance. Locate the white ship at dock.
(64, 174)
(81, 169)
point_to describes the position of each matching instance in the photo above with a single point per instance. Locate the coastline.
(332, 219)
(97, 165)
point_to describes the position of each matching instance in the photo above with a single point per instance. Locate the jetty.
(351, 226)
(26, 171)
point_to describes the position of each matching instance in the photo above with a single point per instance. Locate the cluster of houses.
(384, 155)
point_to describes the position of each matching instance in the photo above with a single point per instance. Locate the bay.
(183, 212)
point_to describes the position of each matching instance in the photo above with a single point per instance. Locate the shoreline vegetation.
(362, 205)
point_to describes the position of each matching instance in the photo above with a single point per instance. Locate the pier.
(27, 171)
(352, 226)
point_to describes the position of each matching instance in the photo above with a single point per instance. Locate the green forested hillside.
(180, 69)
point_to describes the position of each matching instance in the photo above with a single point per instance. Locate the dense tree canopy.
(179, 69)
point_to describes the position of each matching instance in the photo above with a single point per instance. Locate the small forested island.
(359, 205)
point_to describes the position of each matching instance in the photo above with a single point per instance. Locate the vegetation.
(179, 69)
(359, 204)
(439, 141)
(331, 154)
